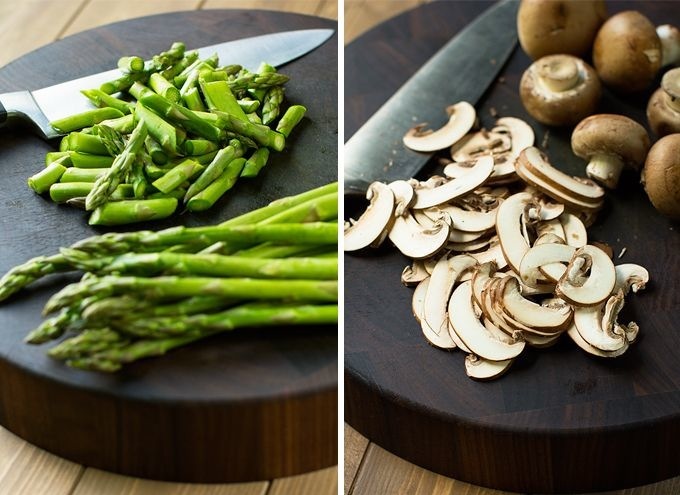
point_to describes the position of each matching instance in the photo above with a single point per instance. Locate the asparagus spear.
(215, 265)
(63, 192)
(194, 147)
(101, 99)
(164, 88)
(122, 83)
(260, 133)
(255, 163)
(22, 275)
(290, 119)
(169, 57)
(272, 104)
(204, 199)
(106, 184)
(178, 67)
(131, 64)
(171, 286)
(113, 140)
(192, 100)
(44, 179)
(155, 151)
(257, 81)
(85, 119)
(74, 174)
(138, 179)
(215, 168)
(248, 105)
(168, 136)
(85, 160)
(218, 96)
(53, 156)
(264, 68)
(177, 176)
(123, 124)
(86, 143)
(132, 211)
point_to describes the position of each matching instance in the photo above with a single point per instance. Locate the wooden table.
(25, 469)
(369, 469)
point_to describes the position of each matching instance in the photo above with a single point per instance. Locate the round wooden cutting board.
(560, 420)
(251, 405)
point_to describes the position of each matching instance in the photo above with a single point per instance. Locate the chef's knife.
(61, 100)
(460, 71)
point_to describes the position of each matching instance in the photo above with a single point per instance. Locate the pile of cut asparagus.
(174, 128)
(146, 292)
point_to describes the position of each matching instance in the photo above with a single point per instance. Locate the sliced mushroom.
(415, 273)
(465, 322)
(479, 143)
(630, 276)
(469, 247)
(521, 134)
(455, 188)
(542, 255)
(470, 221)
(494, 253)
(509, 228)
(404, 196)
(529, 313)
(461, 119)
(373, 221)
(446, 273)
(418, 301)
(597, 329)
(583, 344)
(416, 241)
(482, 369)
(552, 271)
(597, 285)
(575, 233)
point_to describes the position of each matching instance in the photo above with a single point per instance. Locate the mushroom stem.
(559, 73)
(605, 169)
(670, 44)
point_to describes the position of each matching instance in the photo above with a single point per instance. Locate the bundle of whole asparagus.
(144, 293)
(171, 128)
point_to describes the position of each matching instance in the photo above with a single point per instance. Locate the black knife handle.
(3, 114)
(19, 107)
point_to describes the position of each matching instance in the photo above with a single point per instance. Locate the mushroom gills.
(462, 118)
(374, 221)
(482, 369)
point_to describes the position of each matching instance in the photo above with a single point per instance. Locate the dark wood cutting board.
(251, 405)
(560, 420)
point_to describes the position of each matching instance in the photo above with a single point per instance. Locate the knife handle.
(20, 107)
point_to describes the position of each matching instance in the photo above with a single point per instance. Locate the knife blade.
(462, 70)
(61, 100)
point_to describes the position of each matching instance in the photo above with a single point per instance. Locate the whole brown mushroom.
(629, 51)
(546, 27)
(663, 109)
(560, 90)
(661, 176)
(609, 142)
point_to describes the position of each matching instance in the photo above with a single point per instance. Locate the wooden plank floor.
(369, 469)
(27, 470)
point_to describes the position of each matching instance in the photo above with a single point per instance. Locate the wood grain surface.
(560, 421)
(18, 475)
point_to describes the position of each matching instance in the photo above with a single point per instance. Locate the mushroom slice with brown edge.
(414, 273)
(462, 117)
(572, 331)
(470, 221)
(576, 188)
(598, 329)
(560, 90)
(418, 301)
(596, 286)
(542, 255)
(661, 176)
(404, 196)
(465, 322)
(446, 273)
(630, 276)
(479, 143)
(509, 229)
(663, 109)
(549, 26)
(416, 241)
(610, 142)
(542, 318)
(521, 134)
(493, 253)
(482, 369)
(552, 271)
(575, 232)
(373, 221)
(455, 188)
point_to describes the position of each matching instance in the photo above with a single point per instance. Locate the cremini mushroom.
(465, 321)
(628, 51)
(462, 117)
(661, 176)
(559, 26)
(597, 325)
(610, 142)
(589, 278)
(376, 219)
(663, 109)
(479, 143)
(482, 369)
(481, 171)
(414, 273)
(509, 228)
(404, 196)
(560, 90)
(539, 256)
(536, 316)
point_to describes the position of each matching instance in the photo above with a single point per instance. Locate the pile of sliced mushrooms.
(500, 250)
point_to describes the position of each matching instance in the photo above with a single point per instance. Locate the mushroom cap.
(663, 119)
(549, 26)
(560, 107)
(627, 52)
(661, 175)
(610, 134)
